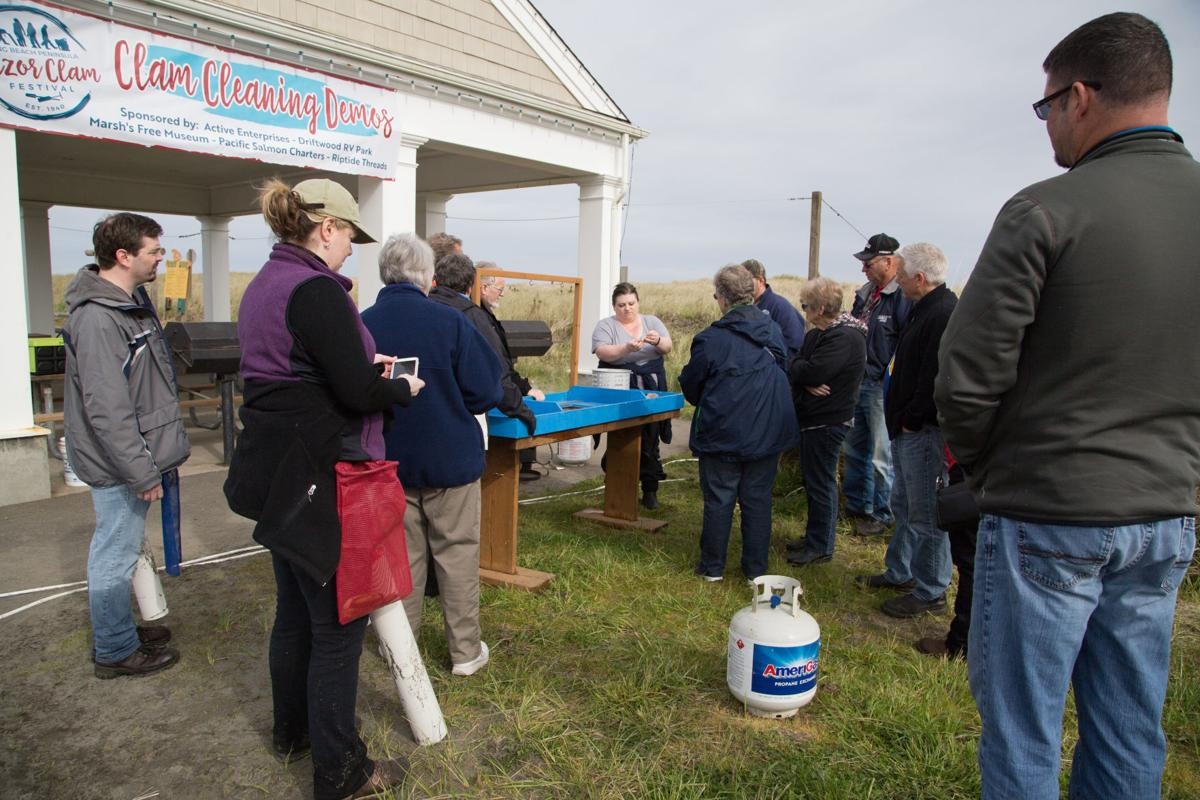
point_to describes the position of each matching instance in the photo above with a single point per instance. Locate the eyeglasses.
(154, 251)
(1042, 107)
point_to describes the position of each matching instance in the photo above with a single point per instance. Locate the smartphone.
(405, 366)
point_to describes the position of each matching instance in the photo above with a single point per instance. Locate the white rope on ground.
(254, 550)
(28, 606)
(40, 589)
(203, 562)
(214, 558)
(228, 555)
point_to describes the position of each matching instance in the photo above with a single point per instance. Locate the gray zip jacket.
(121, 403)
(1069, 378)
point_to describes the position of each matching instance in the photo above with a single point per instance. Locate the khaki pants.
(443, 524)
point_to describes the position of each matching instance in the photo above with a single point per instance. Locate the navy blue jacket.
(436, 441)
(785, 316)
(736, 380)
(884, 325)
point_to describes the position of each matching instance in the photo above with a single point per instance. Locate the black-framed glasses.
(1042, 107)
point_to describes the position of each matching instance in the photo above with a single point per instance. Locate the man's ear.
(1082, 95)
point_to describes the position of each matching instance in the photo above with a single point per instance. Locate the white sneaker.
(473, 666)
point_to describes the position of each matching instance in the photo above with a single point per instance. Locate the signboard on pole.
(71, 73)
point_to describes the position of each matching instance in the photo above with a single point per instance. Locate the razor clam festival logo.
(43, 74)
(72, 73)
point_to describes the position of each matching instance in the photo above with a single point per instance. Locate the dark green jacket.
(1069, 377)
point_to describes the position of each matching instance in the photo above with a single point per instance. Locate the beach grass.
(610, 683)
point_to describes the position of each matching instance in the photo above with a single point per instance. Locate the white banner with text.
(65, 72)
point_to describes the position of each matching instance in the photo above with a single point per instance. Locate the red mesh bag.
(373, 568)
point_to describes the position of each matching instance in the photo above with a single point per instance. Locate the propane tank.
(773, 650)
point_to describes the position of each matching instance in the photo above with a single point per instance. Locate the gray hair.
(755, 268)
(823, 293)
(404, 257)
(486, 280)
(926, 259)
(734, 284)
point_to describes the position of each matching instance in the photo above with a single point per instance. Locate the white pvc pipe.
(147, 588)
(399, 649)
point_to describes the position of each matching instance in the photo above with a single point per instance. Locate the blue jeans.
(919, 550)
(747, 483)
(1060, 605)
(116, 544)
(867, 480)
(818, 459)
(314, 680)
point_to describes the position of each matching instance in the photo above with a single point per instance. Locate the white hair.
(926, 259)
(406, 257)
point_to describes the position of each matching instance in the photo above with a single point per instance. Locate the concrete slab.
(45, 542)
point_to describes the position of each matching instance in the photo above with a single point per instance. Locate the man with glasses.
(1069, 385)
(121, 414)
(867, 481)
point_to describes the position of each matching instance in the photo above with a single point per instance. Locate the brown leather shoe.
(387, 775)
(143, 661)
(868, 527)
(909, 606)
(932, 646)
(881, 582)
(154, 637)
(150, 637)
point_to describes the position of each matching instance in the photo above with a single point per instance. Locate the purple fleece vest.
(270, 353)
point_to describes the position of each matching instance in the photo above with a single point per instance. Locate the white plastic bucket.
(575, 451)
(69, 476)
(147, 588)
(611, 378)
(399, 649)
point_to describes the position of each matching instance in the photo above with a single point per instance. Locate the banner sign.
(71, 73)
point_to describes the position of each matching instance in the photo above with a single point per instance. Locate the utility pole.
(814, 238)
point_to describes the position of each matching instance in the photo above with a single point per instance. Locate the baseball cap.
(878, 245)
(325, 198)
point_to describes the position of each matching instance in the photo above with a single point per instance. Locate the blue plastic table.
(579, 411)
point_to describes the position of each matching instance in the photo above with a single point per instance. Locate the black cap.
(878, 245)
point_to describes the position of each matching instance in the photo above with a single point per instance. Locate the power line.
(500, 219)
(171, 235)
(848, 222)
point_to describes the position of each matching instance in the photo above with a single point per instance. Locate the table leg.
(621, 484)
(621, 476)
(498, 521)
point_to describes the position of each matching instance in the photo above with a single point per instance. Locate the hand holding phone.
(405, 366)
(414, 384)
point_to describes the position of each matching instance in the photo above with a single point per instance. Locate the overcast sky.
(911, 116)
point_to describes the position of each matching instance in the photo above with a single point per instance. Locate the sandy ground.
(200, 730)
